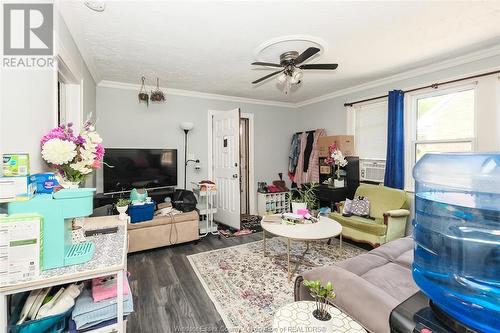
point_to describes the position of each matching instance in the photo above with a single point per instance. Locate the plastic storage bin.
(141, 213)
(52, 324)
(457, 236)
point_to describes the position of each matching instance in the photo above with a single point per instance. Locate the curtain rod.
(434, 86)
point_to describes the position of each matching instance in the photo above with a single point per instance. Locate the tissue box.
(44, 182)
(15, 165)
(16, 188)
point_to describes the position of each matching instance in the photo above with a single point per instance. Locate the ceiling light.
(97, 6)
(282, 78)
(297, 75)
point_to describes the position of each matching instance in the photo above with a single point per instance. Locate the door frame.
(252, 195)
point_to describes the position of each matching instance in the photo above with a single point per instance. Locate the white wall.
(29, 100)
(27, 108)
(124, 123)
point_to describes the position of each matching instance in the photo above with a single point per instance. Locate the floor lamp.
(186, 127)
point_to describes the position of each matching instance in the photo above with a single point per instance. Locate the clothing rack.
(434, 86)
(311, 131)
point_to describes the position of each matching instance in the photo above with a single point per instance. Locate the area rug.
(249, 225)
(247, 288)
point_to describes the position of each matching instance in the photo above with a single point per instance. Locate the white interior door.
(226, 170)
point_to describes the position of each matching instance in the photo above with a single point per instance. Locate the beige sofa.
(163, 231)
(370, 285)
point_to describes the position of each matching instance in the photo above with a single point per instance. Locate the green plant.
(122, 202)
(323, 295)
(307, 195)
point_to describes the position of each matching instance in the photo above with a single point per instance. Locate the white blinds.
(370, 130)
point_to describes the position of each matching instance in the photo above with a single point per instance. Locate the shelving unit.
(273, 203)
(110, 258)
(207, 209)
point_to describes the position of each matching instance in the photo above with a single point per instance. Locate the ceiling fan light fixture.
(281, 78)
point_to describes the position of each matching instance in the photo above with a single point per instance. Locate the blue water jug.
(457, 235)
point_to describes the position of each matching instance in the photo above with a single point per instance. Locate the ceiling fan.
(291, 68)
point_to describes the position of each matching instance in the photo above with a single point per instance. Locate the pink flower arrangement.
(335, 157)
(73, 156)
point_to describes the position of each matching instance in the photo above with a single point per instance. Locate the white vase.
(65, 183)
(338, 183)
(123, 212)
(298, 205)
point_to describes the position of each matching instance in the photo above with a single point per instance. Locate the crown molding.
(467, 58)
(471, 57)
(197, 94)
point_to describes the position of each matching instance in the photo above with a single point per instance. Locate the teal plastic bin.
(52, 324)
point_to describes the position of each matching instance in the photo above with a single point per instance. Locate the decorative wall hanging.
(157, 96)
(143, 95)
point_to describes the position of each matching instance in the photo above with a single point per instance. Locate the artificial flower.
(57, 151)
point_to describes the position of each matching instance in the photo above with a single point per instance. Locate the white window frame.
(411, 126)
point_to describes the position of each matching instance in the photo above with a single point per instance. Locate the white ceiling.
(207, 46)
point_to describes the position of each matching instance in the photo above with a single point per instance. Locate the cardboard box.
(16, 188)
(20, 248)
(344, 142)
(15, 165)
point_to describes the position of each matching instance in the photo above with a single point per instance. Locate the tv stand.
(159, 195)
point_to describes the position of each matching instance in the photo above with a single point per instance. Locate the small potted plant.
(323, 295)
(305, 197)
(121, 207)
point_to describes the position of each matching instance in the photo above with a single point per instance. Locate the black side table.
(328, 196)
(417, 315)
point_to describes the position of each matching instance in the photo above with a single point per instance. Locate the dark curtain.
(395, 166)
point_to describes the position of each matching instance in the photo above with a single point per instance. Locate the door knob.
(235, 175)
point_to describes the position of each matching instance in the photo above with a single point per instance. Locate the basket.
(141, 213)
(52, 324)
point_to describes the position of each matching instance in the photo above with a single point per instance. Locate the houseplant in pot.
(121, 207)
(323, 295)
(305, 197)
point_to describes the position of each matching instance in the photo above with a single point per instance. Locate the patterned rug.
(247, 288)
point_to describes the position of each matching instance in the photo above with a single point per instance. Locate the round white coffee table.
(325, 228)
(298, 317)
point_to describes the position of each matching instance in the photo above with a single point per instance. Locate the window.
(370, 130)
(440, 121)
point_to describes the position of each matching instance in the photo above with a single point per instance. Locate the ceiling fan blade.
(306, 55)
(319, 66)
(268, 76)
(266, 64)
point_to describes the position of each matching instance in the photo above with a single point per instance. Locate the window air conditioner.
(371, 170)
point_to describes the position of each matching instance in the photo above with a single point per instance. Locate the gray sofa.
(368, 286)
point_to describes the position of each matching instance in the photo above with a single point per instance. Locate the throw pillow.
(361, 206)
(347, 207)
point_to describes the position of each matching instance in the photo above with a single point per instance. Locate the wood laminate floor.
(168, 297)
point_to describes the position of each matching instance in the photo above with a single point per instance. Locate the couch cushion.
(361, 264)
(368, 305)
(405, 259)
(392, 250)
(160, 220)
(374, 227)
(393, 279)
(382, 198)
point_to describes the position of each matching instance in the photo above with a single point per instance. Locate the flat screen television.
(139, 168)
